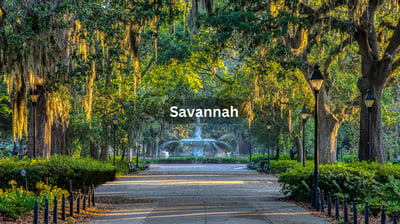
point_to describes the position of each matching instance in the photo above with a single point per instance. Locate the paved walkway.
(198, 193)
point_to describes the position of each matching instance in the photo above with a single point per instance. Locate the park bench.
(265, 166)
(146, 165)
(251, 165)
(131, 167)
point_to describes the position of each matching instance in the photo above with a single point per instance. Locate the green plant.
(15, 200)
(57, 171)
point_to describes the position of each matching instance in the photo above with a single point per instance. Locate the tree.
(299, 34)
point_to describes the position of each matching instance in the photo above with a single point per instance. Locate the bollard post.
(89, 193)
(322, 201)
(78, 202)
(317, 200)
(55, 208)
(63, 207)
(46, 211)
(395, 217)
(93, 195)
(345, 216)
(336, 207)
(329, 204)
(84, 198)
(383, 214)
(71, 204)
(36, 213)
(354, 211)
(366, 212)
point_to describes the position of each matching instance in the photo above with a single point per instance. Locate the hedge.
(377, 183)
(57, 171)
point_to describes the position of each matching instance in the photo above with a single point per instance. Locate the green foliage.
(15, 200)
(57, 171)
(379, 184)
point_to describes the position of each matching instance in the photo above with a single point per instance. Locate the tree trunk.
(104, 155)
(327, 131)
(58, 138)
(376, 144)
(299, 147)
(94, 152)
(277, 152)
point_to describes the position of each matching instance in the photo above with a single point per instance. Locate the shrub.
(379, 184)
(57, 171)
(15, 200)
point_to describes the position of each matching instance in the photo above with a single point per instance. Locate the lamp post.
(304, 115)
(369, 101)
(34, 98)
(269, 128)
(115, 122)
(316, 80)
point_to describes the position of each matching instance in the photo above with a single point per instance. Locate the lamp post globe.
(369, 101)
(316, 80)
(115, 123)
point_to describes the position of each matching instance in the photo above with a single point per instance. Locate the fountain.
(198, 143)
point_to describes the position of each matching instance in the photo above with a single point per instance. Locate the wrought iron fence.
(74, 200)
(344, 216)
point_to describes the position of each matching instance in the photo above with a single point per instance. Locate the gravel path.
(198, 193)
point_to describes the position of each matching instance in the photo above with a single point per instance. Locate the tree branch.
(223, 80)
(395, 65)
(394, 45)
(147, 67)
(387, 24)
(333, 54)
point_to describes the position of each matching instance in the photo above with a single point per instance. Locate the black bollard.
(383, 214)
(336, 207)
(317, 200)
(396, 217)
(89, 193)
(63, 207)
(78, 202)
(46, 211)
(322, 201)
(93, 195)
(329, 204)
(36, 213)
(366, 212)
(71, 204)
(354, 211)
(84, 199)
(55, 207)
(345, 216)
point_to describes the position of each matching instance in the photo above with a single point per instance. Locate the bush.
(57, 171)
(17, 200)
(377, 183)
